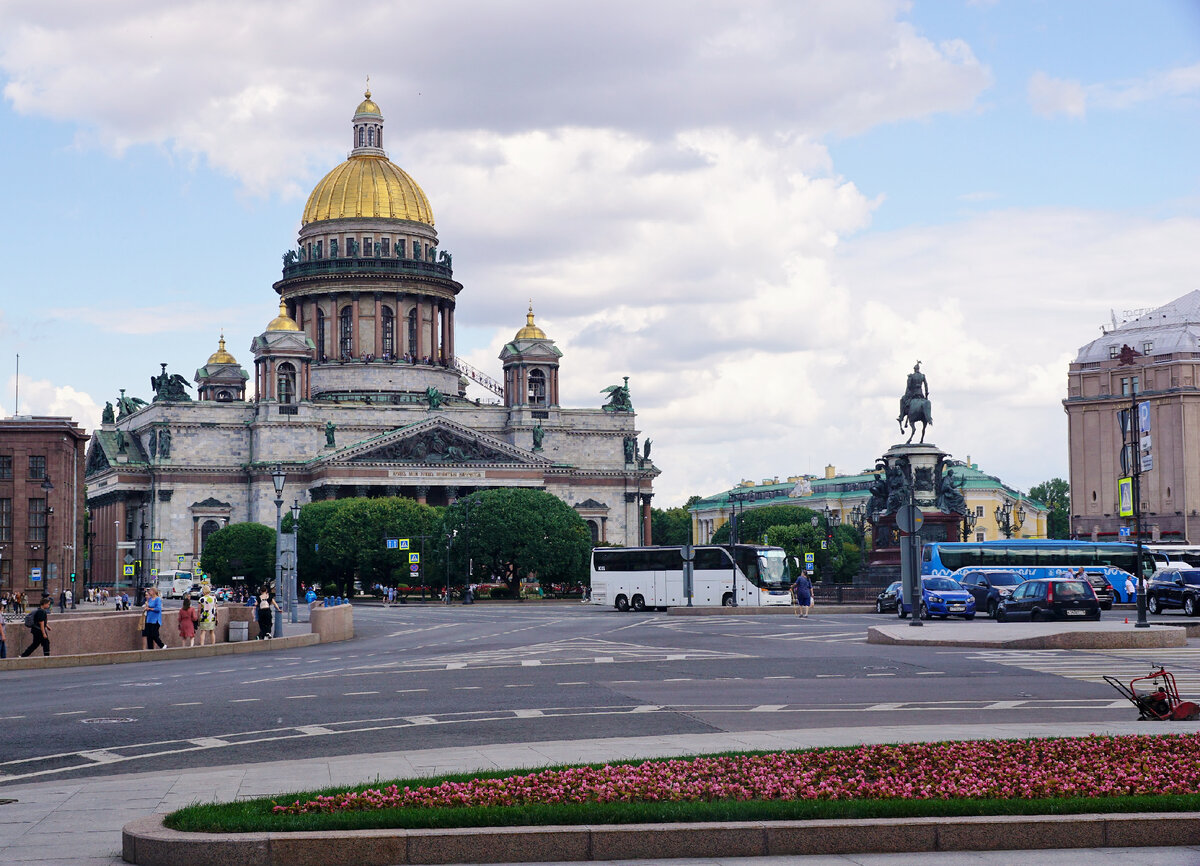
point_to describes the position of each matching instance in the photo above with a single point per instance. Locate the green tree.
(513, 532)
(240, 548)
(754, 522)
(670, 525)
(1055, 494)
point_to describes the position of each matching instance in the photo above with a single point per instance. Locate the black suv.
(989, 588)
(1172, 587)
(1104, 590)
(1050, 598)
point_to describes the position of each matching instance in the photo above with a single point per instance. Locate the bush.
(329, 590)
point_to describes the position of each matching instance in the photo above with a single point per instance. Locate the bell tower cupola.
(530, 368)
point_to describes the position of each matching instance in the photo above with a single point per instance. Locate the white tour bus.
(640, 577)
(174, 584)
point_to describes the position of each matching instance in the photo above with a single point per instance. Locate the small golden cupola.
(221, 379)
(531, 368)
(283, 322)
(221, 356)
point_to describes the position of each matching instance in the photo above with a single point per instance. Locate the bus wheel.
(638, 603)
(622, 603)
(727, 600)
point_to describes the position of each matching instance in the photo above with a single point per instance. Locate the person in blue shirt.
(153, 619)
(802, 591)
(310, 596)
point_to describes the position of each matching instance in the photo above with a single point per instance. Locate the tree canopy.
(791, 527)
(670, 525)
(511, 533)
(243, 549)
(1056, 494)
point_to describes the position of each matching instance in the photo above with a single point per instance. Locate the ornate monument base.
(917, 471)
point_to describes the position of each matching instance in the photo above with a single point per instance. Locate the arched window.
(320, 335)
(388, 326)
(381, 136)
(206, 529)
(371, 136)
(224, 397)
(537, 388)
(286, 392)
(346, 333)
(412, 331)
(360, 136)
(594, 529)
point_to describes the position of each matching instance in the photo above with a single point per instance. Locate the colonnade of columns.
(434, 337)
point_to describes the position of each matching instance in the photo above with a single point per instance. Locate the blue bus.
(1039, 558)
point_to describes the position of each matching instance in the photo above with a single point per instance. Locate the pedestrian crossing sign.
(414, 557)
(404, 544)
(129, 571)
(156, 546)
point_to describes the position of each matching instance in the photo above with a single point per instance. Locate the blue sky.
(758, 211)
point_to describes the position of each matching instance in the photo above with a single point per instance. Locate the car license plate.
(1076, 612)
(958, 607)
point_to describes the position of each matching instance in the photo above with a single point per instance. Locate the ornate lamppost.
(968, 525)
(279, 478)
(1007, 521)
(294, 545)
(858, 519)
(48, 488)
(833, 519)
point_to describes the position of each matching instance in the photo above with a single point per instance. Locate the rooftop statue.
(330, 430)
(128, 405)
(618, 398)
(107, 417)
(434, 396)
(915, 405)
(170, 388)
(538, 435)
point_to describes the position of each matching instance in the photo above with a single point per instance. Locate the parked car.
(1103, 589)
(988, 587)
(1174, 587)
(1050, 598)
(889, 598)
(941, 597)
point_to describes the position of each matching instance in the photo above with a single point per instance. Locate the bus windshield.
(773, 571)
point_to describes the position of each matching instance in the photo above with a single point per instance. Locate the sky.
(763, 213)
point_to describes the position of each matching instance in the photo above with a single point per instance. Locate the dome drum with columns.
(358, 392)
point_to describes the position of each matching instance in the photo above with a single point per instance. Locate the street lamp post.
(858, 519)
(1007, 522)
(293, 582)
(832, 519)
(48, 488)
(968, 525)
(279, 478)
(734, 502)
(450, 536)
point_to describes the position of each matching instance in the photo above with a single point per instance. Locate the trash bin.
(239, 631)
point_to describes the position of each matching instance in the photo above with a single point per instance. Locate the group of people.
(200, 617)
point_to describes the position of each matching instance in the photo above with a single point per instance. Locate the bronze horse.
(918, 410)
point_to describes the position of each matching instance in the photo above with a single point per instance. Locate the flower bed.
(1070, 768)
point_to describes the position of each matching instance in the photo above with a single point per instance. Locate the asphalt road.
(423, 676)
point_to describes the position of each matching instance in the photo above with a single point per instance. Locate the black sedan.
(888, 599)
(1050, 598)
(989, 588)
(1172, 588)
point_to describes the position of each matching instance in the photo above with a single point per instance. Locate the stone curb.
(770, 610)
(39, 661)
(1123, 638)
(148, 843)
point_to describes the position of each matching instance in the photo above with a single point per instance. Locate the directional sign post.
(392, 543)
(35, 574)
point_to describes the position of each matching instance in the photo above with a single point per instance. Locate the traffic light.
(72, 577)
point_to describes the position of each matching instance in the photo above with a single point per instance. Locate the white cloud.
(250, 87)
(1051, 96)
(43, 397)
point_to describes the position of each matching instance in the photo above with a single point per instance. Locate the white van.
(174, 584)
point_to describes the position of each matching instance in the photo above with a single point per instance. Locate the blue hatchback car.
(941, 597)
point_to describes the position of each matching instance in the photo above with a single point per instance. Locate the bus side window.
(927, 554)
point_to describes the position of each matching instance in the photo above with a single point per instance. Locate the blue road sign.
(414, 557)
(1144, 417)
(393, 543)
(404, 544)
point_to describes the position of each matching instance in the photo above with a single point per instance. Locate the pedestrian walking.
(70, 599)
(1130, 589)
(802, 590)
(39, 623)
(208, 617)
(187, 623)
(3, 641)
(266, 605)
(153, 619)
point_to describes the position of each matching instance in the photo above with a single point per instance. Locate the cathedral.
(357, 391)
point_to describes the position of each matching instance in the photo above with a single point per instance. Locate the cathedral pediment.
(436, 441)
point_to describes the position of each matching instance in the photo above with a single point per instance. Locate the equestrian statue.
(915, 405)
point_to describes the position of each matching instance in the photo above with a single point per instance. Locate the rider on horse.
(916, 387)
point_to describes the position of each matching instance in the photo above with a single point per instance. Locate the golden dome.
(221, 356)
(367, 106)
(530, 331)
(367, 186)
(283, 322)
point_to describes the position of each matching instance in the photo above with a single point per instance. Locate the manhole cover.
(108, 720)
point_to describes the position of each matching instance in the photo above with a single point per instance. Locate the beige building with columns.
(357, 391)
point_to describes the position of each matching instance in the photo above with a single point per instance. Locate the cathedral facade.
(357, 391)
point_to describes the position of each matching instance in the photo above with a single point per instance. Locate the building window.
(320, 335)
(385, 244)
(594, 529)
(37, 520)
(287, 383)
(346, 333)
(360, 136)
(368, 247)
(320, 248)
(381, 136)
(1147, 347)
(1128, 382)
(416, 250)
(37, 467)
(1114, 352)
(412, 331)
(400, 246)
(537, 388)
(388, 326)
(979, 511)
(5, 520)
(5, 466)
(981, 536)
(207, 529)
(371, 136)
(6, 574)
